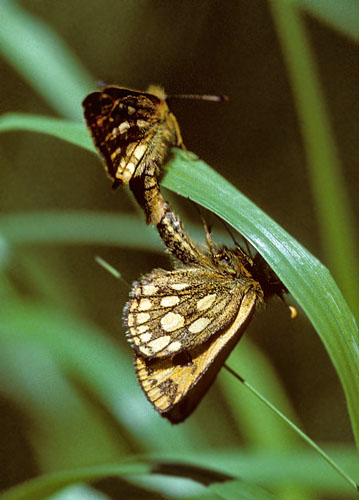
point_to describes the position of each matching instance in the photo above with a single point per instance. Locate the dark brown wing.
(123, 124)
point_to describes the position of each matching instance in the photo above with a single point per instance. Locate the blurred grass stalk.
(335, 217)
(39, 55)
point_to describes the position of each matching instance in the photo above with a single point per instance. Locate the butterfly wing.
(175, 386)
(123, 124)
(172, 312)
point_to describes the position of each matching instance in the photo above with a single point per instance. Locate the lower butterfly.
(184, 323)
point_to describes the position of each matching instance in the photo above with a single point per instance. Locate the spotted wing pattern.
(171, 312)
(174, 386)
(130, 129)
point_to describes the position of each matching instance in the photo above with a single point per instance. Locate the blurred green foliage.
(70, 405)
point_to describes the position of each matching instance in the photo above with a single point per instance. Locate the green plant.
(67, 358)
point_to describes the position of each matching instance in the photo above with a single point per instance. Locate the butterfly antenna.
(200, 97)
(207, 230)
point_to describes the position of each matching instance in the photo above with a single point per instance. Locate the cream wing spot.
(144, 305)
(199, 325)
(130, 148)
(140, 151)
(179, 286)
(130, 167)
(149, 289)
(142, 318)
(131, 110)
(169, 301)
(145, 337)
(142, 328)
(206, 302)
(160, 343)
(141, 123)
(130, 320)
(174, 346)
(123, 127)
(145, 350)
(134, 305)
(172, 321)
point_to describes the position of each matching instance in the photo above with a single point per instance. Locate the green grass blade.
(300, 467)
(214, 467)
(226, 487)
(43, 59)
(72, 132)
(42, 487)
(300, 433)
(238, 490)
(260, 426)
(306, 278)
(78, 228)
(342, 15)
(335, 217)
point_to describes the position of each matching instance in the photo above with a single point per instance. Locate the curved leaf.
(72, 132)
(226, 487)
(307, 279)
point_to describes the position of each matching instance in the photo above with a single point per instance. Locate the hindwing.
(175, 386)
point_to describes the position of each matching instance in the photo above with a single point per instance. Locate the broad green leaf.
(42, 487)
(223, 485)
(276, 469)
(221, 471)
(238, 490)
(72, 132)
(307, 279)
(91, 228)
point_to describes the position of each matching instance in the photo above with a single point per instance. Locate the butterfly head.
(232, 262)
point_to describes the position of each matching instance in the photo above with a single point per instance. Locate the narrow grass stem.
(306, 438)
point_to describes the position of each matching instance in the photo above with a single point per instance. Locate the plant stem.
(306, 438)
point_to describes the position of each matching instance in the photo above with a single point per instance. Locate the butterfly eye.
(223, 258)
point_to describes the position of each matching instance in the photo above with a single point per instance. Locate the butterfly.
(134, 132)
(183, 324)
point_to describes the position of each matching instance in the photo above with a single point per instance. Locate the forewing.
(170, 312)
(122, 123)
(176, 385)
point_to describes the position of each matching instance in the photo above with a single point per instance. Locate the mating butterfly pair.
(182, 324)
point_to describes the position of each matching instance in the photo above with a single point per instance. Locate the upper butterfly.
(131, 130)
